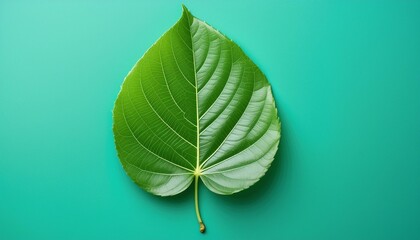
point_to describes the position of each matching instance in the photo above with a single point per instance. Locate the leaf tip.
(185, 11)
(184, 8)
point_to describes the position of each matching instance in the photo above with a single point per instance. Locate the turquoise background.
(346, 77)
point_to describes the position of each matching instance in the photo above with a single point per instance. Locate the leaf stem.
(197, 210)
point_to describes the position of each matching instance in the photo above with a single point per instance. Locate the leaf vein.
(153, 132)
(137, 140)
(157, 114)
(176, 62)
(227, 136)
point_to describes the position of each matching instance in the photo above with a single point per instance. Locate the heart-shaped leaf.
(195, 107)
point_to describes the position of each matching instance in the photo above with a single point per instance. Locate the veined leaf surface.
(195, 107)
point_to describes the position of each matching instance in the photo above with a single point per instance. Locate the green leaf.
(195, 107)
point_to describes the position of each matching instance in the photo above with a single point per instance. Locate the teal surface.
(346, 77)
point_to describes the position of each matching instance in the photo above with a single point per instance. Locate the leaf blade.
(163, 137)
(202, 105)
